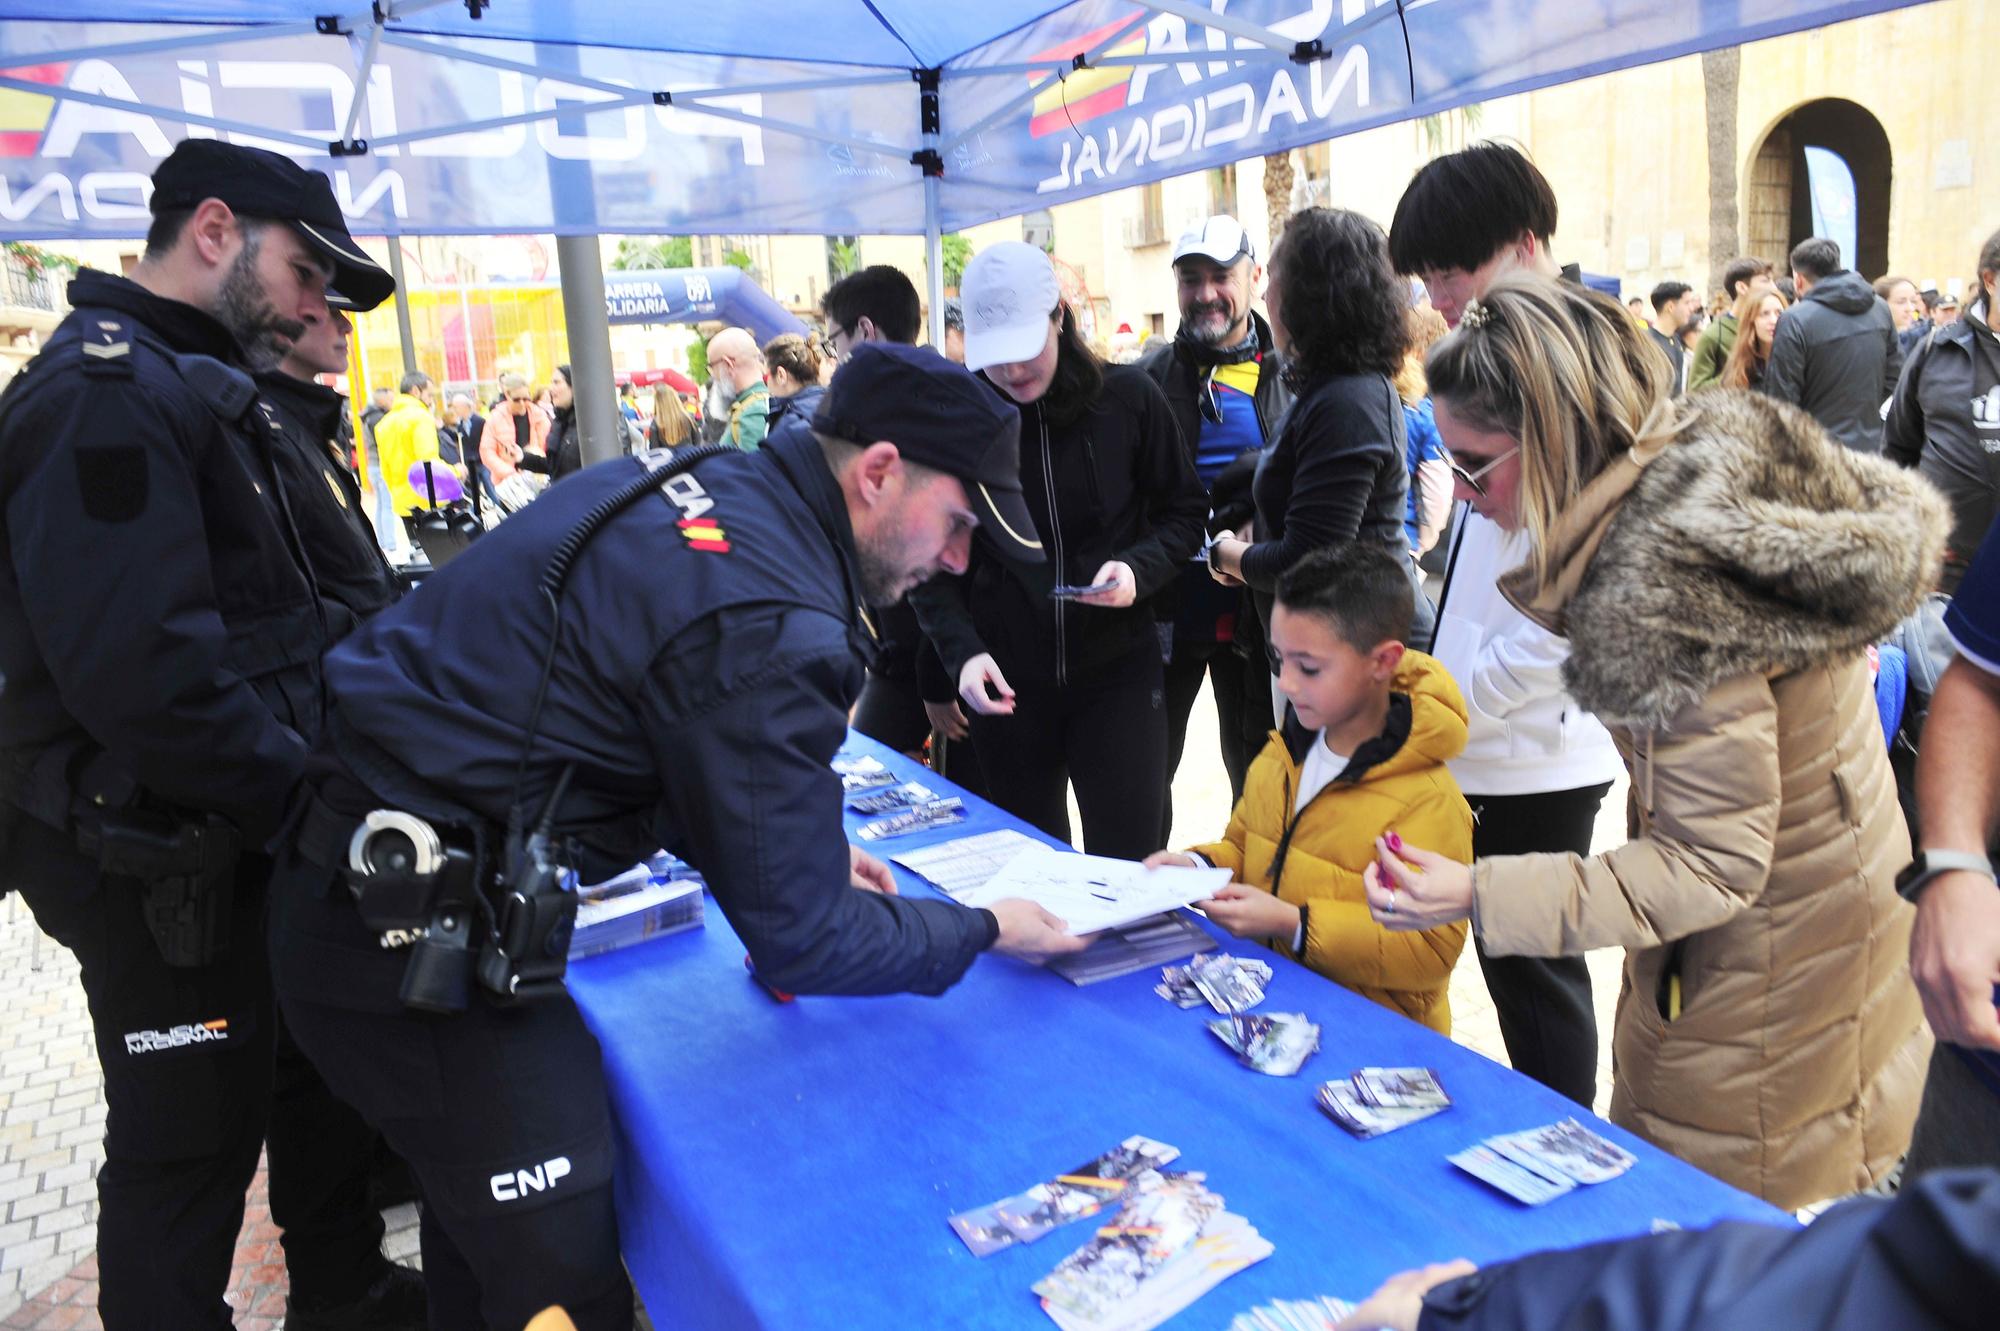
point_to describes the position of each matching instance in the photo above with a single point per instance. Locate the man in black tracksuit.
(1945, 422)
(701, 658)
(160, 634)
(1221, 346)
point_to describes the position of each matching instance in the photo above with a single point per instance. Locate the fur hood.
(1748, 542)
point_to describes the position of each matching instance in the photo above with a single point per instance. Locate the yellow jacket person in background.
(1361, 755)
(406, 436)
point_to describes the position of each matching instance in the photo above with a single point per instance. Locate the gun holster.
(186, 870)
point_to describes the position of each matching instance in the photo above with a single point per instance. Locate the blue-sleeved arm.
(744, 717)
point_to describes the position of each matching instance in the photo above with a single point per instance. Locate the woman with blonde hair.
(792, 371)
(1757, 312)
(1720, 567)
(670, 427)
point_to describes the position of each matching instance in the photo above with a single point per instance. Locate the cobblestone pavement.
(52, 1107)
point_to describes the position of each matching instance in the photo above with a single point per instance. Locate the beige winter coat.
(1719, 590)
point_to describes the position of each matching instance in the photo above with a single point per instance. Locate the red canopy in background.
(679, 382)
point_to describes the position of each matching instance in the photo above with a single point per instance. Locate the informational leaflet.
(956, 867)
(1093, 892)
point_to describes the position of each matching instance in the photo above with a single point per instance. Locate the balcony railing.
(25, 287)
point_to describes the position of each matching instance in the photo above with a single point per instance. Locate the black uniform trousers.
(188, 1058)
(501, 1113)
(1544, 1003)
(1229, 672)
(1106, 735)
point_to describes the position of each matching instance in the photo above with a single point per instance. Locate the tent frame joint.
(663, 98)
(347, 148)
(1307, 53)
(930, 160)
(328, 25)
(476, 9)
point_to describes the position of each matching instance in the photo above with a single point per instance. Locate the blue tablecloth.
(792, 1166)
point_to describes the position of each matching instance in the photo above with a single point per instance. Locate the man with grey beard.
(1223, 378)
(160, 634)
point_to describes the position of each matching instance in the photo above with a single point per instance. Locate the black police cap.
(942, 416)
(268, 185)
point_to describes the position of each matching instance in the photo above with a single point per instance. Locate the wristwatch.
(1931, 864)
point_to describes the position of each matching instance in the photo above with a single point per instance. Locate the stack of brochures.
(663, 896)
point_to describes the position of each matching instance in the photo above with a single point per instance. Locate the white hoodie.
(1526, 735)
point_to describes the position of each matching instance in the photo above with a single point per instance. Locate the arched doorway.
(1782, 185)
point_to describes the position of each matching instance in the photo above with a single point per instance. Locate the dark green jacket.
(1711, 353)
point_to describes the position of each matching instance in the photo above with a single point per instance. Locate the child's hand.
(1249, 912)
(1171, 859)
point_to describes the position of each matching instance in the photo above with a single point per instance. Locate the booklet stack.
(1378, 1100)
(1136, 947)
(1545, 1163)
(1169, 1244)
(663, 896)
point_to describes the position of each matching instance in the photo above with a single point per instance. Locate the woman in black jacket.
(565, 444)
(1069, 689)
(1337, 472)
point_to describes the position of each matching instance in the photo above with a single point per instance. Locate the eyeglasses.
(1471, 478)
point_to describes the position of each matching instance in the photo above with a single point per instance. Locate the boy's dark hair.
(880, 293)
(1816, 257)
(1740, 272)
(1358, 588)
(1463, 208)
(1666, 293)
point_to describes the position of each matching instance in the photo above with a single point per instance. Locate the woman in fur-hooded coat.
(1719, 568)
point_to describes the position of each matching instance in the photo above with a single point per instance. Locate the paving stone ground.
(52, 1106)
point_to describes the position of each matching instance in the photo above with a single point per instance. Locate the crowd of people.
(1674, 552)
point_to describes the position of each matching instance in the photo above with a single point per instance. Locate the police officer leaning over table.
(161, 624)
(645, 656)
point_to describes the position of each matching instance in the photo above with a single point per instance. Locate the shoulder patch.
(113, 480)
(107, 351)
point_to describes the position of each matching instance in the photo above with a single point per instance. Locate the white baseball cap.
(1220, 238)
(1008, 292)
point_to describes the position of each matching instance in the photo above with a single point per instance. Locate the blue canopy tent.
(687, 295)
(582, 117)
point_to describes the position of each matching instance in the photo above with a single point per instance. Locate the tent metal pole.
(627, 101)
(403, 327)
(1240, 56)
(930, 121)
(589, 326)
(934, 259)
(361, 76)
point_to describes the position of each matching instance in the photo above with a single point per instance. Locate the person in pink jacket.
(504, 448)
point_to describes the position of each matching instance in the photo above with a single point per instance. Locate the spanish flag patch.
(704, 534)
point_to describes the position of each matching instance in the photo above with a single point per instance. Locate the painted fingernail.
(1395, 843)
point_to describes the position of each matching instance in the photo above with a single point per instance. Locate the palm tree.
(1719, 73)
(1278, 190)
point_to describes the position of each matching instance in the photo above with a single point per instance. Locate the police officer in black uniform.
(645, 656)
(312, 422)
(160, 632)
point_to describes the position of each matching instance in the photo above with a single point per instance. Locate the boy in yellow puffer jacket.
(1365, 757)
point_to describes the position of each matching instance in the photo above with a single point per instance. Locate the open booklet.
(1093, 892)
